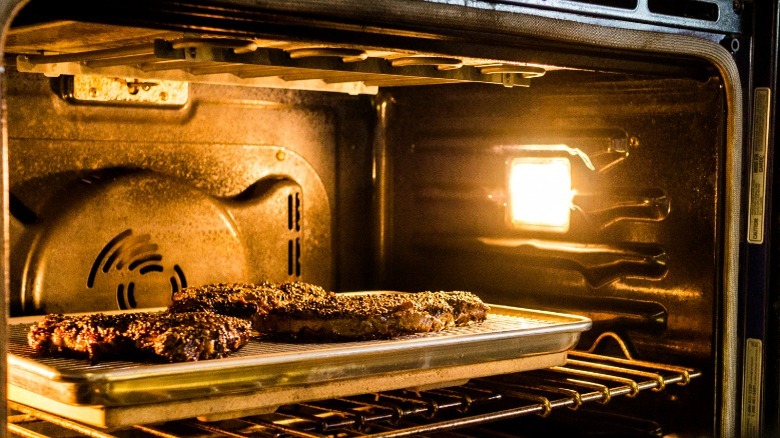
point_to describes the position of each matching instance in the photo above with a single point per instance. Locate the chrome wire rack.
(585, 378)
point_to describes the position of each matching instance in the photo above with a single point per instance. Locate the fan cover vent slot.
(134, 254)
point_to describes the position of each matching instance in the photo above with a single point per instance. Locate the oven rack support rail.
(585, 378)
(243, 62)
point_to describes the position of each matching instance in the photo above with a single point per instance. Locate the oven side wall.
(8, 10)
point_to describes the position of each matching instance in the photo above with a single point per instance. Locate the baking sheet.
(513, 337)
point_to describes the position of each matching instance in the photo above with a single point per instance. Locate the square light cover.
(540, 193)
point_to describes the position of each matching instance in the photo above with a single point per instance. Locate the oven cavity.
(573, 166)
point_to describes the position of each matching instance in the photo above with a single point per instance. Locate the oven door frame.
(500, 24)
(761, 319)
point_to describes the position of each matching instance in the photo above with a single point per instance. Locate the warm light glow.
(540, 193)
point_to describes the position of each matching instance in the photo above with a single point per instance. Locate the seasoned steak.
(243, 300)
(95, 336)
(171, 337)
(467, 308)
(354, 317)
(304, 312)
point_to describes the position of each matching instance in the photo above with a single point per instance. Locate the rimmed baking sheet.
(511, 339)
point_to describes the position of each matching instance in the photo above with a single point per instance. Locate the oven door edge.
(496, 22)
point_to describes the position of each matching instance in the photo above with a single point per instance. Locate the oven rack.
(277, 64)
(585, 378)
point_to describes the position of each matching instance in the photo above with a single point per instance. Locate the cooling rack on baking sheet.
(265, 374)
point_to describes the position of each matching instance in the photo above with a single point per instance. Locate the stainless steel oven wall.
(647, 167)
(119, 206)
(647, 163)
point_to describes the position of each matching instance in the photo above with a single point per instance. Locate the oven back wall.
(118, 207)
(640, 255)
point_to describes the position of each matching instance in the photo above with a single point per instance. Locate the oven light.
(540, 193)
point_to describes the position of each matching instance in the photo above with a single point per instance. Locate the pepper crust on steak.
(173, 337)
(243, 300)
(353, 317)
(304, 312)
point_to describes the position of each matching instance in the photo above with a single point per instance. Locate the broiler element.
(296, 66)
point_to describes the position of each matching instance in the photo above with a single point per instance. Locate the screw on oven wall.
(739, 6)
(734, 45)
(731, 43)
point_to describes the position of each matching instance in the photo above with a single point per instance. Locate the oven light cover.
(540, 193)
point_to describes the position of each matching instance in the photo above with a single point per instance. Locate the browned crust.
(304, 312)
(158, 335)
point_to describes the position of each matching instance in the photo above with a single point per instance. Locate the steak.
(170, 337)
(467, 308)
(303, 312)
(353, 317)
(244, 300)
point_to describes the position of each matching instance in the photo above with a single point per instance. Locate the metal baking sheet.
(512, 337)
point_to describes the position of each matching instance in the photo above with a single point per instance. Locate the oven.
(599, 168)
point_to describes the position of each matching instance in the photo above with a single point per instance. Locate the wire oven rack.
(585, 378)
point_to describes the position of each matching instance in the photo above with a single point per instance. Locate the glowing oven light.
(540, 193)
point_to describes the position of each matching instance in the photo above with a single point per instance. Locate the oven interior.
(144, 159)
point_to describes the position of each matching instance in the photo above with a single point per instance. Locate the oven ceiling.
(76, 48)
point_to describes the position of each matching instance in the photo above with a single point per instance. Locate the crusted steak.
(304, 312)
(244, 300)
(354, 317)
(172, 337)
(467, 307)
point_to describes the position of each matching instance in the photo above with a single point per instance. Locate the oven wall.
(239, 184)
(641, 254)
